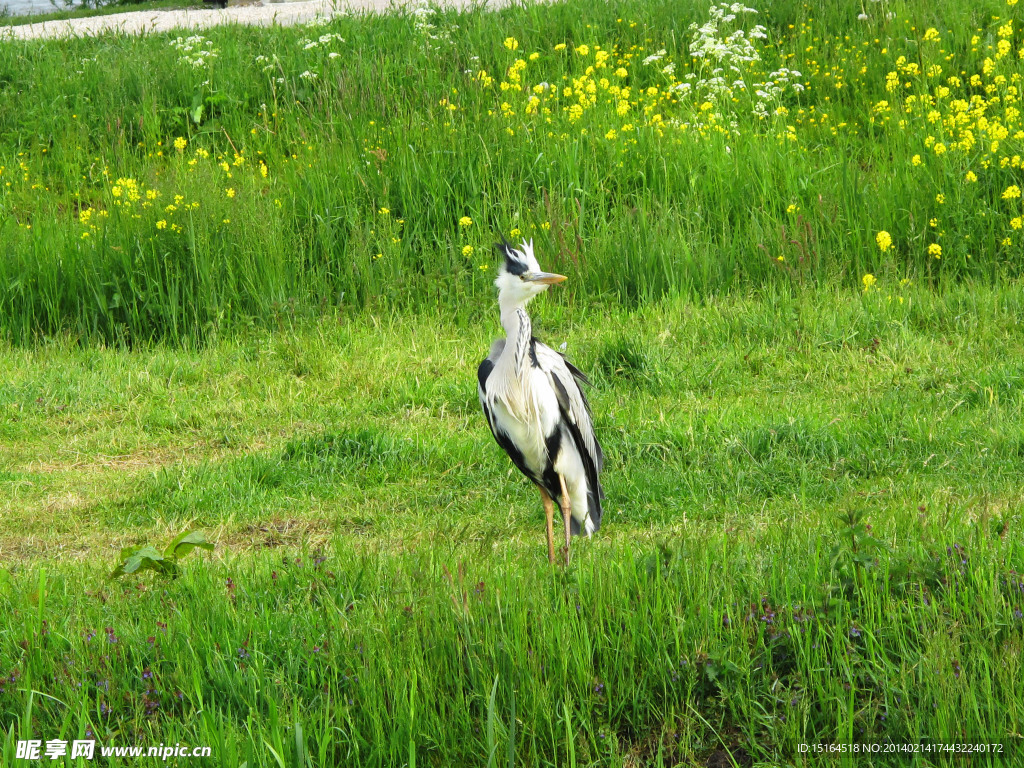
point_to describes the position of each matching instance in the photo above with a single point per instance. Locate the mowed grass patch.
(703, 408)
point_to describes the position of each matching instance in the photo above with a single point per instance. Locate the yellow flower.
(915, 160)
(933, 222)
(230, 191)
(263, 169)
(611, 135)
(884, 240)
(621, 72)
(534, 56)
(1017, 222)
(545, 225)
(560, 47)
(515, 232)
(161, 224)
(180, 143)
(465, 221)
(792, 208)
(583, 50)
(971, 177)
(868, 280)
(511, 43)
(935, 250)
(467, 250)
(384, 211)
(940, 198)
(1011, 193)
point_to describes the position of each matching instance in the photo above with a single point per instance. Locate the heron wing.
(565, 379)
(501, 437)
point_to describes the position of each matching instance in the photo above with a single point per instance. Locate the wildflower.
(940, 198)
(263, 169)
(583, 50)
(230, 191)
(545, 225)
(162, 224)
(1016, 222)
(465, 221)
(467, 250)
(384, 211)
(884, 240)
(534, 56)
(915, 160)
(511, 43)
(560, 47)
(971, 177)
(935, 250)
(516, 232)
(869, 281)
(611, 135)
(792, 208)
(179, 143)
(1011, 193)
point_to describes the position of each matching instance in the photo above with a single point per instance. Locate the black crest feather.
(514, 264)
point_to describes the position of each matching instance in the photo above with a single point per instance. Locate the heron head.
(519, 275)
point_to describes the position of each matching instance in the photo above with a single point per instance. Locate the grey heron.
(534, 406)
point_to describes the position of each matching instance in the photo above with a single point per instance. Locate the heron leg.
(549, 513)
(566, 516)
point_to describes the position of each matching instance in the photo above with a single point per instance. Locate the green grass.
(296, 195)
(239, 300)
(811, 535)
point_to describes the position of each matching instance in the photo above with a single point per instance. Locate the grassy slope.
(386, 564)
(148, 191)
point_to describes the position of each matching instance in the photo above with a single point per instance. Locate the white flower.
(862, 17)
(307, 75)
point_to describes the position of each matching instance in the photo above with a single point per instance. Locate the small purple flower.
(147, 674)
(599, 688)
(111, 637)
(854, 632)
(1017, 614)
(243, 653)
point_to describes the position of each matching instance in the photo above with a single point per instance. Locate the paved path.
(136, 22)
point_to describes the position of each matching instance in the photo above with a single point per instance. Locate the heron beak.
(546, 278)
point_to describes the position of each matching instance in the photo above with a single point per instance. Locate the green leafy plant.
(147, 557)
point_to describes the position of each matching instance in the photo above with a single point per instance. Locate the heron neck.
(518, 329)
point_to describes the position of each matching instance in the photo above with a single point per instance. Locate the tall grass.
(404, 114)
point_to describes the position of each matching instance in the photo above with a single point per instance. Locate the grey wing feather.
(573, 402)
